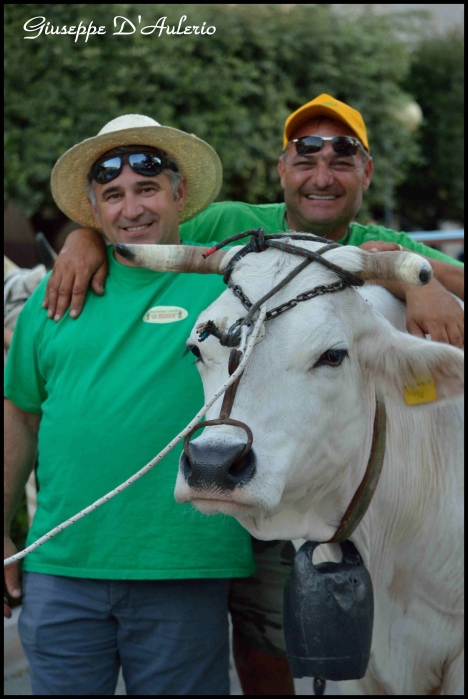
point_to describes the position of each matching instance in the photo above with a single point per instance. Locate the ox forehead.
(277, 281)
(232, 337)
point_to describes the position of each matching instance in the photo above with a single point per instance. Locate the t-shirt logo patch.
(165, 314)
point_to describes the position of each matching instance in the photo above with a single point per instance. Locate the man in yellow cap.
(325, 168)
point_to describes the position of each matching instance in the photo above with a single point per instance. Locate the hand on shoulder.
(82, 262)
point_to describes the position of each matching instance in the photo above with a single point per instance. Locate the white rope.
(161, 455)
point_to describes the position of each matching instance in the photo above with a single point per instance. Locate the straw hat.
(198, 163)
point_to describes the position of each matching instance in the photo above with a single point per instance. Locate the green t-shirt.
(223, 219)
(113, 390)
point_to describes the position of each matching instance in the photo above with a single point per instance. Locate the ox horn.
(174, 258)
(407, 267)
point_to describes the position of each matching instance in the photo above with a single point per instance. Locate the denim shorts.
(169, 636)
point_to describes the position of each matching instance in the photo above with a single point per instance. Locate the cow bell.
(328, 615)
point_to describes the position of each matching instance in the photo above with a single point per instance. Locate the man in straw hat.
(325, 168)
(142, 582)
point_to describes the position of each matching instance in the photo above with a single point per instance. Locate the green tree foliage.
(434, 188)
(234, 88)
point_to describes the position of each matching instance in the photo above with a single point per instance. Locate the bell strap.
(358, 506)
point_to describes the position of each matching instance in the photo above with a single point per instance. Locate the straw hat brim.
(198, 162)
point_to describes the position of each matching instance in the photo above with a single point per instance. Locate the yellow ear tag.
(424, 391)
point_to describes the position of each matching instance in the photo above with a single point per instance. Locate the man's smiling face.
(323, 192)
(137, 209)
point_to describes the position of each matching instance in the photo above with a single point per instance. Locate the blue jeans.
(169, 636)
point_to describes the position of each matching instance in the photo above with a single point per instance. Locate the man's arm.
(452, 277)
(430, 309)
(20, 434)
(82, 262)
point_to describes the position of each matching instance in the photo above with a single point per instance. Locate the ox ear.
(414, 371)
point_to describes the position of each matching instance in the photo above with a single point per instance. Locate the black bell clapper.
(328, 616)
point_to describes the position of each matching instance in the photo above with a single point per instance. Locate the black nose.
(220, 466)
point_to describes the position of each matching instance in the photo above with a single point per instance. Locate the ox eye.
(194, 350)
(332, 357)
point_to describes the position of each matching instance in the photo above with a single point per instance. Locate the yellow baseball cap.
(326, 105)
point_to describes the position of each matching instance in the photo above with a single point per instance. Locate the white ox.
(311, 412)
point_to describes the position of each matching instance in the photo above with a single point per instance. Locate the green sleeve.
(360, 234)
(224, 219)
(201, 229)
(24, 384)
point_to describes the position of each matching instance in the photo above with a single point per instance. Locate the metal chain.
(237, 291)
(305, 296)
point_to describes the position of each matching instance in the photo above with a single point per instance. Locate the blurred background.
(400, 65)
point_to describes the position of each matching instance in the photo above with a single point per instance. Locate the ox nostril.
(185, 465)
(238, 470)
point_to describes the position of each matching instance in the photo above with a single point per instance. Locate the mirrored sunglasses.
(343, 145)
(144, 163)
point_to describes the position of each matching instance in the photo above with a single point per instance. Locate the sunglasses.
(144, 163)
(343, 145)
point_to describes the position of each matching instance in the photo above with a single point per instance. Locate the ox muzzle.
(221, 467)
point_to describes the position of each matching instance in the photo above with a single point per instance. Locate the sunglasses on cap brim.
(343, 145)
(145, 163)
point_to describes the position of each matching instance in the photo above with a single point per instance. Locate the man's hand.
(81, 262)
(11, 575)
(432, 310)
